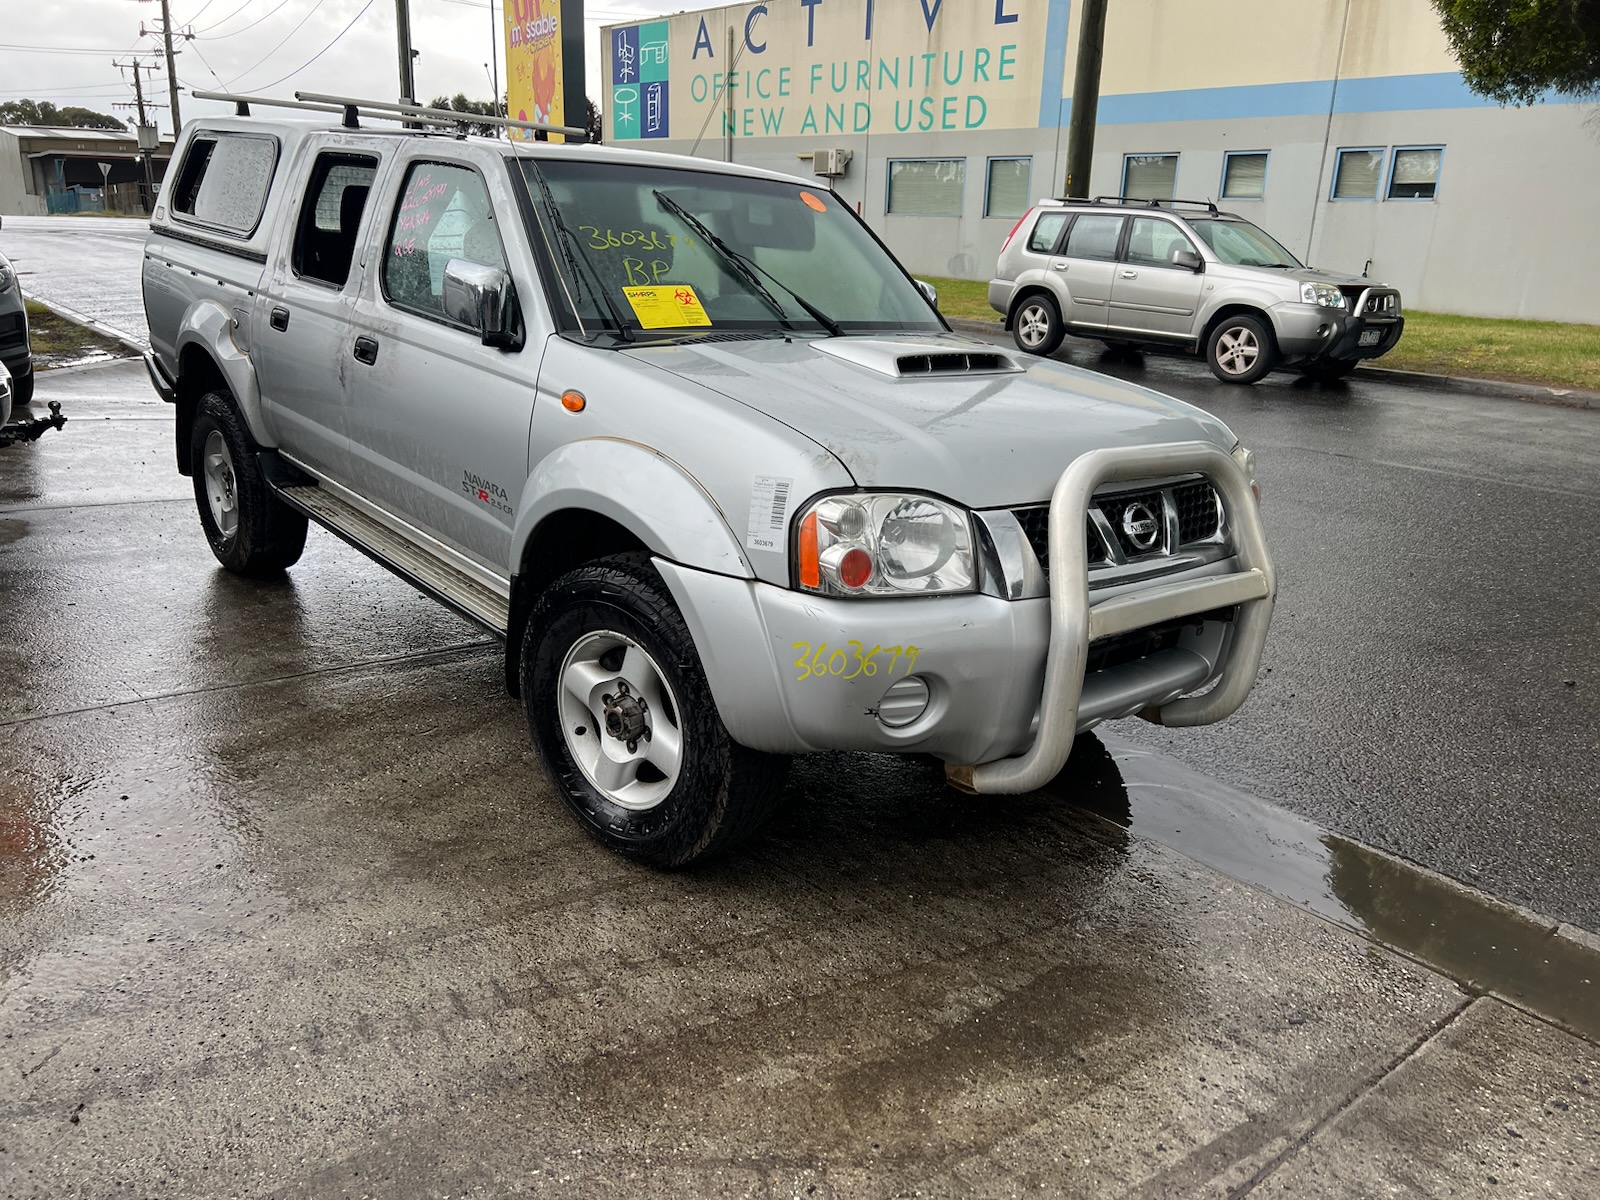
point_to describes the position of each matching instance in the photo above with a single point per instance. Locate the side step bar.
(422, 570)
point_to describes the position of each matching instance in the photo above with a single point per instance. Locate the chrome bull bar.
(1074, 622)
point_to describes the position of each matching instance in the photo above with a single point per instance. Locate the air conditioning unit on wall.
(831, 163)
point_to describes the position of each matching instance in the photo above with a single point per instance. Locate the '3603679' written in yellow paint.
(817, 662)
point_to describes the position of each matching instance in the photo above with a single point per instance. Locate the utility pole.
(172, 67)
(1085, 97)
(402, 21)
(149, 190)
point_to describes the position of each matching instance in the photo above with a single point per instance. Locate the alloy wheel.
(621, 720)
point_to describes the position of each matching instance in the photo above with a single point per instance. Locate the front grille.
(1035, 524)
(1193, 503)
(1199, 516)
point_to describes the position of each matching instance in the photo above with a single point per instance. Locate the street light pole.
(402, 21)
(1085, 97)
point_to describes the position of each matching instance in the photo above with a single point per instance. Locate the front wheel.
(251, 531)
(1241, 350)
(620, 710)
(1037, 325)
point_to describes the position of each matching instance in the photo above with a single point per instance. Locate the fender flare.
(674, 515)
(209, 326)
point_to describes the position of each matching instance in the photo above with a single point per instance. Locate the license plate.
(1371, 337)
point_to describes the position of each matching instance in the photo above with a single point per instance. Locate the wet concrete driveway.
(287, 908)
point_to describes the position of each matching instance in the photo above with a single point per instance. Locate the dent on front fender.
(209, 327)
(646, 493)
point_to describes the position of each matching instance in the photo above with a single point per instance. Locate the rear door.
(1152, 294)
(301, 319)
(1087, 265)
(439, 423)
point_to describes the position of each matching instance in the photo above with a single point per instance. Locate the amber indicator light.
(810, 564)
(573, 401)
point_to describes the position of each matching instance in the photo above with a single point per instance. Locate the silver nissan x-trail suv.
(1181, 276)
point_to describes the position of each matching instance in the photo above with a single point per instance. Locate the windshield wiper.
(746, 268)
(568, 241)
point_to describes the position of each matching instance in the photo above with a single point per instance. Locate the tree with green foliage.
(1514, 51)
(483, 108)
(592, 121)
(42, 112)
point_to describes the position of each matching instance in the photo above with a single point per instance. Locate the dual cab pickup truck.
(695, 445)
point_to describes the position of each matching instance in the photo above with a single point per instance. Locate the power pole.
(1085, 97)
(402, 21)
(149, 190)
(167, 33)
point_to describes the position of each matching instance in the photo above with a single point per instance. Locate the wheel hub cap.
(620, 720)
(221, 485)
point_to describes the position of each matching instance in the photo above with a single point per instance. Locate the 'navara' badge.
(1141, 526)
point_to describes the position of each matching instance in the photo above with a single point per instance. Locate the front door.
(439, 422)
(1087, 267)
(301, 316)
(1152, 294)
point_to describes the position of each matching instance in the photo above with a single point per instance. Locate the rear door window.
(224, 181)
(330, 216)
(1045, 232)
(1094, 237)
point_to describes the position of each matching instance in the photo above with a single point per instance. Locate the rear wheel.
(621, 712)
(1241, 350)
(251, 531)
(1037, 325)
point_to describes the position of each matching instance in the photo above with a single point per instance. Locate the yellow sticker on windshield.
(670, 306)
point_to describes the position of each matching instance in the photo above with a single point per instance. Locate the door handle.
(1060, 264)
(279, 319)
(1130, 274)
(366, 350)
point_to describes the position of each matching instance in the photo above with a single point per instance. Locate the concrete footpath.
(288, 908)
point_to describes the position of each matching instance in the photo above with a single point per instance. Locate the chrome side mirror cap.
(928, 290)
(481, 299)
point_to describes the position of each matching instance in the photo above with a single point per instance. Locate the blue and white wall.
(1374, 149)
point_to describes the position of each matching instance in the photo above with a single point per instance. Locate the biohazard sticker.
(668, 306)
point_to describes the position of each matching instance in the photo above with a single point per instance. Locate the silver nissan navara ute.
(1181, 276)
(688, 438)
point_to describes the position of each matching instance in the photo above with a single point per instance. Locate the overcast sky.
(251, 45)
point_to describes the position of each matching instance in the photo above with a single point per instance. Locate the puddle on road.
(1481, 944)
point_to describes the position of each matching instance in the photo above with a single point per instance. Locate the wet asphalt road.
(1432, 683)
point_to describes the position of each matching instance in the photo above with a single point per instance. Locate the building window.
(1149, 176)
(1006, 194)
(1244, 175)
(1356, 174)
(927, 187)
(1414, 174)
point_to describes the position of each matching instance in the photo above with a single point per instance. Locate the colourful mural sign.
(640, 68)
(544, 62)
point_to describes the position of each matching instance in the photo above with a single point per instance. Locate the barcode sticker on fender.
(769, 513)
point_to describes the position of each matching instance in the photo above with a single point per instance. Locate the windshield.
(670, 252)
(1241, 244)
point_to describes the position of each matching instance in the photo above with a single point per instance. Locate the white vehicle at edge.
(690, 440)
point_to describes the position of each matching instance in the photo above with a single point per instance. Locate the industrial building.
(1343, 127)
(44, 169)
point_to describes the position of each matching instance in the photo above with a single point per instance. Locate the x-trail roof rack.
(353, 110)
(1209, 205)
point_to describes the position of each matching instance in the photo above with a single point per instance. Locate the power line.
(280, 45)
(197, 15)
(59, 49)
(241, 29)
(319, 53)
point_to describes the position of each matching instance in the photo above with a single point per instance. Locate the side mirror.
(928, 290)
(1187, 259)
(482, 299)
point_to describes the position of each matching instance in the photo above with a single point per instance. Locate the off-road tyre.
(267, 536)
(723, 791)
(1241, 349)
(1036, 325)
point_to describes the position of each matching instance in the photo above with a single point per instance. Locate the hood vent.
(908, 358)
(953, 364)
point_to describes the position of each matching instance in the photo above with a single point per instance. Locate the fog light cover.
(904, 702)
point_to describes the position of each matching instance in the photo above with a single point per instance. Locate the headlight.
(885, 544)
(7, 276)
(1324, 295)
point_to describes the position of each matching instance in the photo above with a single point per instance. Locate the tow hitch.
(32, 431)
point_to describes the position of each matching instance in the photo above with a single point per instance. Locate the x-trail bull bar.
(1074, 622)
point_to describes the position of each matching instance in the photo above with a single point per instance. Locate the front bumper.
(1004, 677)
(1307, 333)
